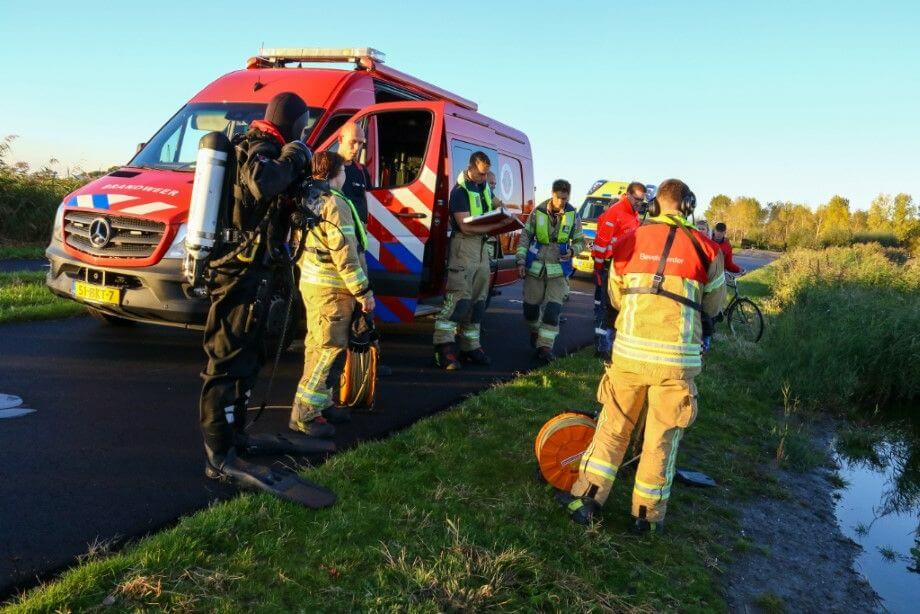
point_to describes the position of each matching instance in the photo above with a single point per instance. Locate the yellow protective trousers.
(468, 276)
(543, 299)
(329, 315)
(672, 407)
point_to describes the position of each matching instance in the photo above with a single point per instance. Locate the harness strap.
(658, 279)
(663, 261)
(683, 300)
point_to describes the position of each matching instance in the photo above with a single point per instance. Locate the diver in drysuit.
(270, 161)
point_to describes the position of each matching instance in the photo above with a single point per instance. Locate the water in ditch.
(880, 506)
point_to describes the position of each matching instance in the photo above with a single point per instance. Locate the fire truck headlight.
(57, 231)
(177, 249)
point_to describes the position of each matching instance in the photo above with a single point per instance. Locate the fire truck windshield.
(175, 145)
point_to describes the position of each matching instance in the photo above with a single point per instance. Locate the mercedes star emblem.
(100, 232)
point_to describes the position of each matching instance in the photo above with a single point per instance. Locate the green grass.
(757, 283)
(447, 516)
(23, 296)
(22, 252)
(770, 603)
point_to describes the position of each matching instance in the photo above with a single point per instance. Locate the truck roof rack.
(366, 58)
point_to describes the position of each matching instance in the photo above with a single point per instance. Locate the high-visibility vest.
(476, 203)
(541, 227)
(541, 237)
(359, 225)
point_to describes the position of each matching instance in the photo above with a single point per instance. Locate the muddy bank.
(801, 561)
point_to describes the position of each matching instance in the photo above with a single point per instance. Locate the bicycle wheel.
(745, 320)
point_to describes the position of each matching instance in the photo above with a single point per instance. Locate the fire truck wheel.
(109, 319)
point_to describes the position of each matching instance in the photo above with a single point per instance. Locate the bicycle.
(743, 314)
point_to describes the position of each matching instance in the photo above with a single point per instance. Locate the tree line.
(891, 220)
(30, 197)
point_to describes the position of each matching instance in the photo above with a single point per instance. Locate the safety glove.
(363, 333)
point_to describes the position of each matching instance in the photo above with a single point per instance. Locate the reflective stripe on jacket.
(330, 257)
(541, 239)
(656, 334)
(360, 232)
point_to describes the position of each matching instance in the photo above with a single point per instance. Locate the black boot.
(545, 355)
(476, 357)
(641, 526)
(581, 509)
(445, 357)
(285, 485)
(336, 414)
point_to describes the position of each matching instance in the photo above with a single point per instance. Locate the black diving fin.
(285, 485)
(258, 444)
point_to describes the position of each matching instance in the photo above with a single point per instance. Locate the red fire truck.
(118, 242)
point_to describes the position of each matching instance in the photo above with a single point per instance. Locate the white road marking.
(9, 400)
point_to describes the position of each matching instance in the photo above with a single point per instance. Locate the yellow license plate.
(96, 294)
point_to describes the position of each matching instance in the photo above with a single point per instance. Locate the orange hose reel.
(358, 384)
(559, 446)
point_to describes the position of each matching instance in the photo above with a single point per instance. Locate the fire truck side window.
(460, 153)
(402, 140)
(332, 125)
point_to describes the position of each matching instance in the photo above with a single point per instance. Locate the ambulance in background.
(601, 195)
(118, 242)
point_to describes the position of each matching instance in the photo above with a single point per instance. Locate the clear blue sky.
(777, 100)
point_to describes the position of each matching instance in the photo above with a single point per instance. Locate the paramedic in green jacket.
(544, 259)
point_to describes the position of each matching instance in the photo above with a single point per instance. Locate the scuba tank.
(214, 154)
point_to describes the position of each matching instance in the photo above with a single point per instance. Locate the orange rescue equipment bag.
(358, 384)
(559, 446)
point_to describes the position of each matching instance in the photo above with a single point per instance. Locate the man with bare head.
(357, 180)
(468, 266)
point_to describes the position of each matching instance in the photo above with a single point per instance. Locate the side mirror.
(140, 146)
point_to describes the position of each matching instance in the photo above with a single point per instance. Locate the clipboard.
(512, 223)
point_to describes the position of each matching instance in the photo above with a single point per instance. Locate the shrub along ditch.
(847, 326)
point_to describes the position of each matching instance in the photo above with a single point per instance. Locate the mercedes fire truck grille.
(112, 236)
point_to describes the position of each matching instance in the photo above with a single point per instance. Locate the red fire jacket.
(616, 222)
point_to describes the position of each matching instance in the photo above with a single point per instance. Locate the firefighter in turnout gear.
(664, 278)
(333, 283)
(549, 239)
(468, 266)
(269, 161)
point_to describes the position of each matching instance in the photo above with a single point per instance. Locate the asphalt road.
(113, 450)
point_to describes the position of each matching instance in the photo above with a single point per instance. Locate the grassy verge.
(23, 296)
(447, 515)
(22, 252)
